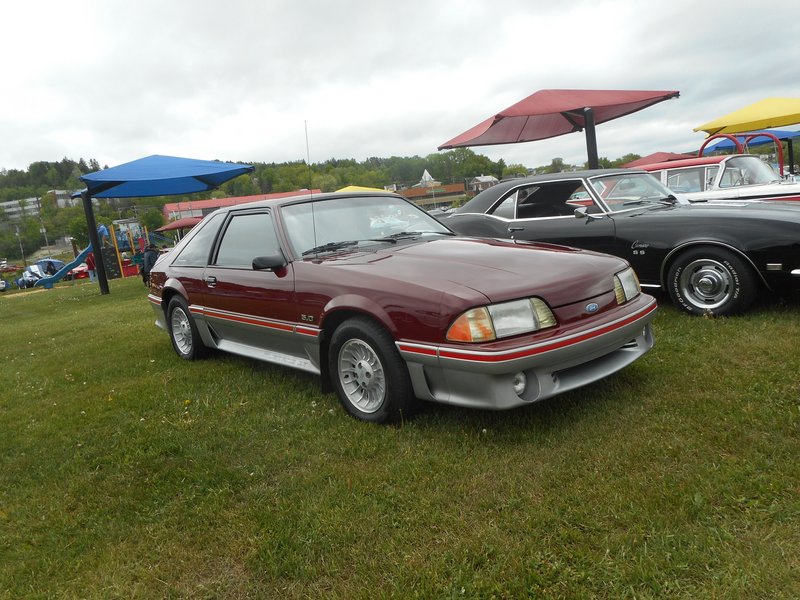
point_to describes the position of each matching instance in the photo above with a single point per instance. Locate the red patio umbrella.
(550, 113)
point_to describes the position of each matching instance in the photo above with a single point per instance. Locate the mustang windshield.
(338, 223)
(626, 190)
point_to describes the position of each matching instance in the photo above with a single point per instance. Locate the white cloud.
(242, 80)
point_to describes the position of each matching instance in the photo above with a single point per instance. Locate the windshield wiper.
(330, 246)
(650, 199)
(400, 235)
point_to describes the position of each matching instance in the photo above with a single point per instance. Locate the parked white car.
(727, 177)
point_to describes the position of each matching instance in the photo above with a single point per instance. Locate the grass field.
(125, 472)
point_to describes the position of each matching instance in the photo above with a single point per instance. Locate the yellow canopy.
(770, 112)
(359, 188)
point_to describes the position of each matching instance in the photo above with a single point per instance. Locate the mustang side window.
(247, 236)
(196, 251)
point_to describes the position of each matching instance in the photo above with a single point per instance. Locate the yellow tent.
(770, 112)
(359, 188)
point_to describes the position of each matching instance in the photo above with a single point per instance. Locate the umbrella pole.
(102, 280)
(591, 138)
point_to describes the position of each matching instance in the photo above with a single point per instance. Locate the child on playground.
(90, 265)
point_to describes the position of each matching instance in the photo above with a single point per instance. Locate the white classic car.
(728, 177)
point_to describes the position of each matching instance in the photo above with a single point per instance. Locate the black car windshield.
(332, 224)
(621, 191)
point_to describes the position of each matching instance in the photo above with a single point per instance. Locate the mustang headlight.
(495, 321)
(626, 285)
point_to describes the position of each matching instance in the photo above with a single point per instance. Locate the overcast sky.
(244, 80)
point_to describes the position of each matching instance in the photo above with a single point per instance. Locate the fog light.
(519, 382)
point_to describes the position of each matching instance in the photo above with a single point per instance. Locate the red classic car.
(727, 177)
(390, 306)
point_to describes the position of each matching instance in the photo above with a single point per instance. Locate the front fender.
(360, 304)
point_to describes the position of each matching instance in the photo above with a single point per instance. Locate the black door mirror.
(269, 262)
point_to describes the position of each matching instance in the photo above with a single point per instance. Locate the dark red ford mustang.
(390, 306)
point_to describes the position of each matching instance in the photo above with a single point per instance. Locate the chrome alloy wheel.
(181, 329)
(361, 375)
(707, 283)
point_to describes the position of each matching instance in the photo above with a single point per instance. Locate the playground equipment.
(127, 266)
(48, 281)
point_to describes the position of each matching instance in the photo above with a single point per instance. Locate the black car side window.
(549, 200)
(246, 236)
(506, 208)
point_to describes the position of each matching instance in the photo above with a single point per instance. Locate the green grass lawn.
(126, 472)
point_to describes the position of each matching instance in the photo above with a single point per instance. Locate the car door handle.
(513, 229)
(211, 281)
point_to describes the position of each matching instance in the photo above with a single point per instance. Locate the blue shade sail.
(161, 176)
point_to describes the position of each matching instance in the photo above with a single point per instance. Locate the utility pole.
(41, 222)
(21, 251)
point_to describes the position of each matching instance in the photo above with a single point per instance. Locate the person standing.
(148, 260)
(90, 266)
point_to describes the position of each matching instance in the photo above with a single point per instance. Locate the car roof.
(272, 202)
(487, 197)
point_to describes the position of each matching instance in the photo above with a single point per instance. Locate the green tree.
(516, 170)
(243, 185)
(76, 228)
(325, 182)
(624, 160)
(152, 218)
(556, 166)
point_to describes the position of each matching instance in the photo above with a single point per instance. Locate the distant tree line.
(39, 178)
(35, 184)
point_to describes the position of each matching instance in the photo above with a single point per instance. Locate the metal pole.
(591, 139)
(102, 280)
(41, 222)
(116, 251)
(21, 251)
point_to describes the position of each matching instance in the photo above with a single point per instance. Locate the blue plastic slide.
(48, 282)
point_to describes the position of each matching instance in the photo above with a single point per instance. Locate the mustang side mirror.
(269, 262)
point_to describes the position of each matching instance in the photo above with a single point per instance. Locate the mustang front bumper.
(485, 378)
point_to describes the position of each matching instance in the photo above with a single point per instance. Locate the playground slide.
(47, 282)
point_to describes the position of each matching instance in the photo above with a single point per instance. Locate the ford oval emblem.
(592, 307)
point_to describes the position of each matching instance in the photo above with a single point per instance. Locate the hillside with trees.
(35, 184)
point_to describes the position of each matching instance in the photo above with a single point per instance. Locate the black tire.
(711, 281)
(183, 332)
(368, 373)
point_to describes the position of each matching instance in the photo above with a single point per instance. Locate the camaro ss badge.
(592, 307)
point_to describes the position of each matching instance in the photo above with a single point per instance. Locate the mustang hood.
(498, 269)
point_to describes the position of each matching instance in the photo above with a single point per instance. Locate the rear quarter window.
(197, 250)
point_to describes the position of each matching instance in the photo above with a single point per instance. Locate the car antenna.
(310, 186)
(308, 162)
